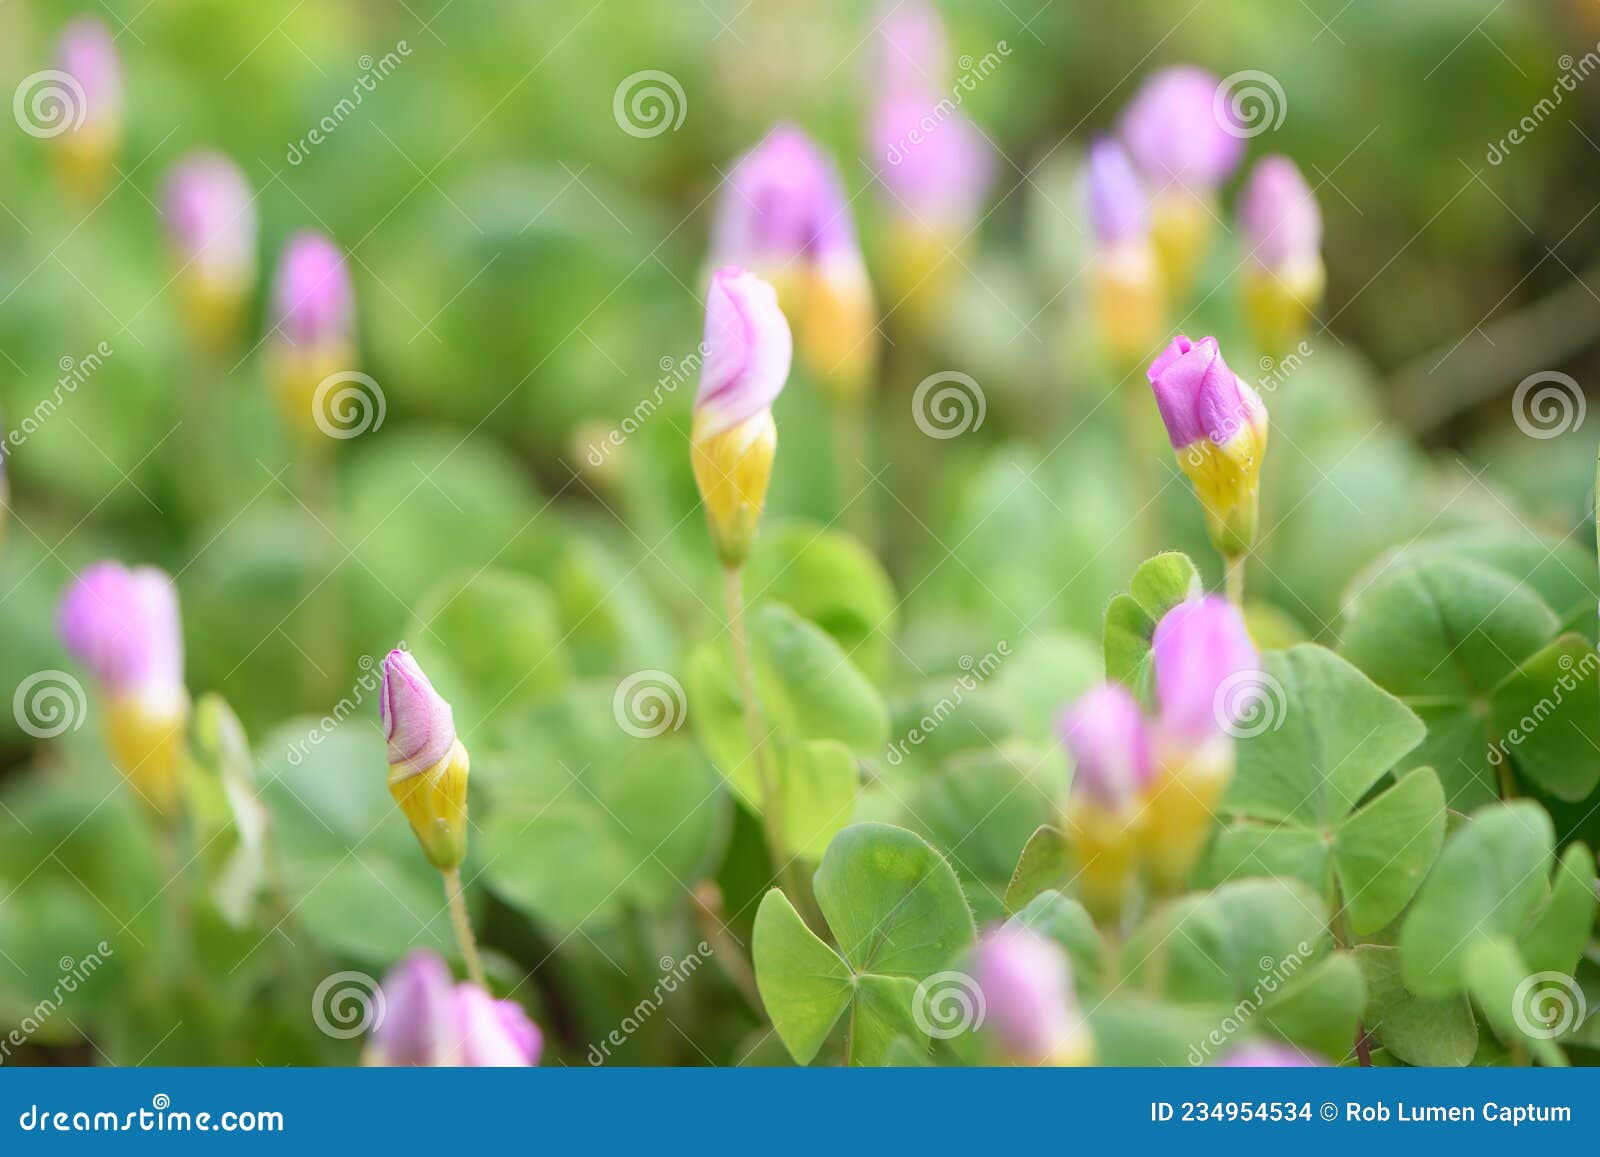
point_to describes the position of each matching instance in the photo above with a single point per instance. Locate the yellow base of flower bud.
(435, 803)
(837, 334)
(1182, 226)
(84, 157)
(213, 313)
(150, 748)
(1181, 812)
(1130, 303)
(1105, 854)
(732, 470)
(919, 271)
(1076, 1051)
(295, 375)
(1279, 304)
(1227, 481)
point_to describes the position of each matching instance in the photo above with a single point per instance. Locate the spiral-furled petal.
(748, 351)
(313, 303)
(1197, 648)
(1110, 746)
(417, 722)
(1200, 397)
(1175, 134)
(211, 217)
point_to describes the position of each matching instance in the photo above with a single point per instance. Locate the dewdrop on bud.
(124, 626)
(313, 321)
(1030, 1007)
(211, 225)
(1185, 150)
(83, 108)
(427, 764)
(784, 215)
(1128, 294)
(1110, 747)
(1200, 651)
(1285, 277)
(734, 440)
(1218, 429)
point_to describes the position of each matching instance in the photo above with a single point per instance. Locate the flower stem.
(1233, 579)
(852, 457)
(463, 926)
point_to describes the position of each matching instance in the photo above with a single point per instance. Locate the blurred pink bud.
(1179, 133)
(313, 303)
(1200, 648)
(1028, 998)
(935, 164)
(123, 624)
(1279, 216)
(417, 722)
(87, 53)
(1267, 1056)
(1200, 397)
(211, 217)
(783, 204)
(1118, 207)
(748, 350)
(426, 1019)
(1110, 746)
(913, 53)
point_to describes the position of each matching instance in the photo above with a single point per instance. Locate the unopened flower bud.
(313, 320)
(734, 438)
(85, 111)
(1110, 747)
(1028, 998)
(1200, 653)
(784, 215)
(1218, 429)
(1184, 143)
(1128, 294)
(428, 765)
(1282, 227)
(913, 51)
(124, 626)
(429, 1020)
(211, 222)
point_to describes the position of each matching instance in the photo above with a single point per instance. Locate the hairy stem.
(463, 926)
(1233, 579)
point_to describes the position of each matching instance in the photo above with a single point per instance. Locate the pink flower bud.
(783, 205)
(1198, 649)
(123, 624)
(1110, 746)
(211, 218)
(1178, 136)
(429, 1020)
(748, 351)
(935, 164)
(87, 53)
(1118, 208)
(1279, 216)
(1028, 998)
(914, 53)
(417, 722)
(312, 299)
(1200, 397)
(1267, 1056)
